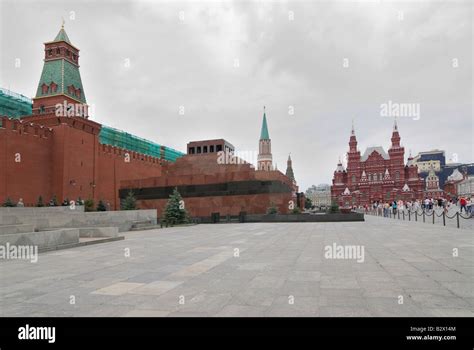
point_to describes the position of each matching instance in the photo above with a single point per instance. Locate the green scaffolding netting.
(13, 104)
(118, 138)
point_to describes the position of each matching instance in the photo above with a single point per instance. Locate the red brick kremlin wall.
(204, 169)
(62, 156)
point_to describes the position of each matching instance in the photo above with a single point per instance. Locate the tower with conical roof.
(264, 159)
(353, 160)
(289, 169)
(60, 82)
(397, 156)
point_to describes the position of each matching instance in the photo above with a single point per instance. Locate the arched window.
(58, 51)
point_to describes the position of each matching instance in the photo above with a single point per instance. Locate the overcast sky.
(329, 62)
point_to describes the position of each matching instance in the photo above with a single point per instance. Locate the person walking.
(463, 203)
(470, 206)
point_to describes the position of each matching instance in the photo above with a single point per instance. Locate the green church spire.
(264, 132)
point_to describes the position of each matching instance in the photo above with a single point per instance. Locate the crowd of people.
(462, 204)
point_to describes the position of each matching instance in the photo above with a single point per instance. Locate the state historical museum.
(376, 175)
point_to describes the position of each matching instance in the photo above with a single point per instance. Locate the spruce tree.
(89, 205)
(101, 206)
(174, 212)
(272, 209)
(40, 202)
(130, 202)
(8, 203)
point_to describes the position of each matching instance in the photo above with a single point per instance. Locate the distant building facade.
(441, 178)
(465, 188)
(319, 195)
(459, 183)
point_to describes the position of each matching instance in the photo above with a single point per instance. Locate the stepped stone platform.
(19, 228)
(43, 240)
(52, 228)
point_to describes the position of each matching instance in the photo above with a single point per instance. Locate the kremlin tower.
(289, 169)
(60, 82)
(265, 147)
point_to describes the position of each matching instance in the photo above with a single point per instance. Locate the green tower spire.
(62, 36)
(60, 75)
(264, 132)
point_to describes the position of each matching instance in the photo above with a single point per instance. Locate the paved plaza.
(264, 269)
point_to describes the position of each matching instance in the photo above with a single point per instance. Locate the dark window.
(198, 149)
(191, 150)
(218, 148)
(58, 51)
(67, 53)
(50, 52)
(211, 148)
(74, 56)
(204, 149)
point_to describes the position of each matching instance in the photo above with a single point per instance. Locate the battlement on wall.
(132, 155)
(25, 127)
(77, 123)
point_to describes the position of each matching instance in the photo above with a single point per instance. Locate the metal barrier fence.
(409, 215)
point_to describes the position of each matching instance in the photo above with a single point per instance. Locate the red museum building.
(376, 175)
